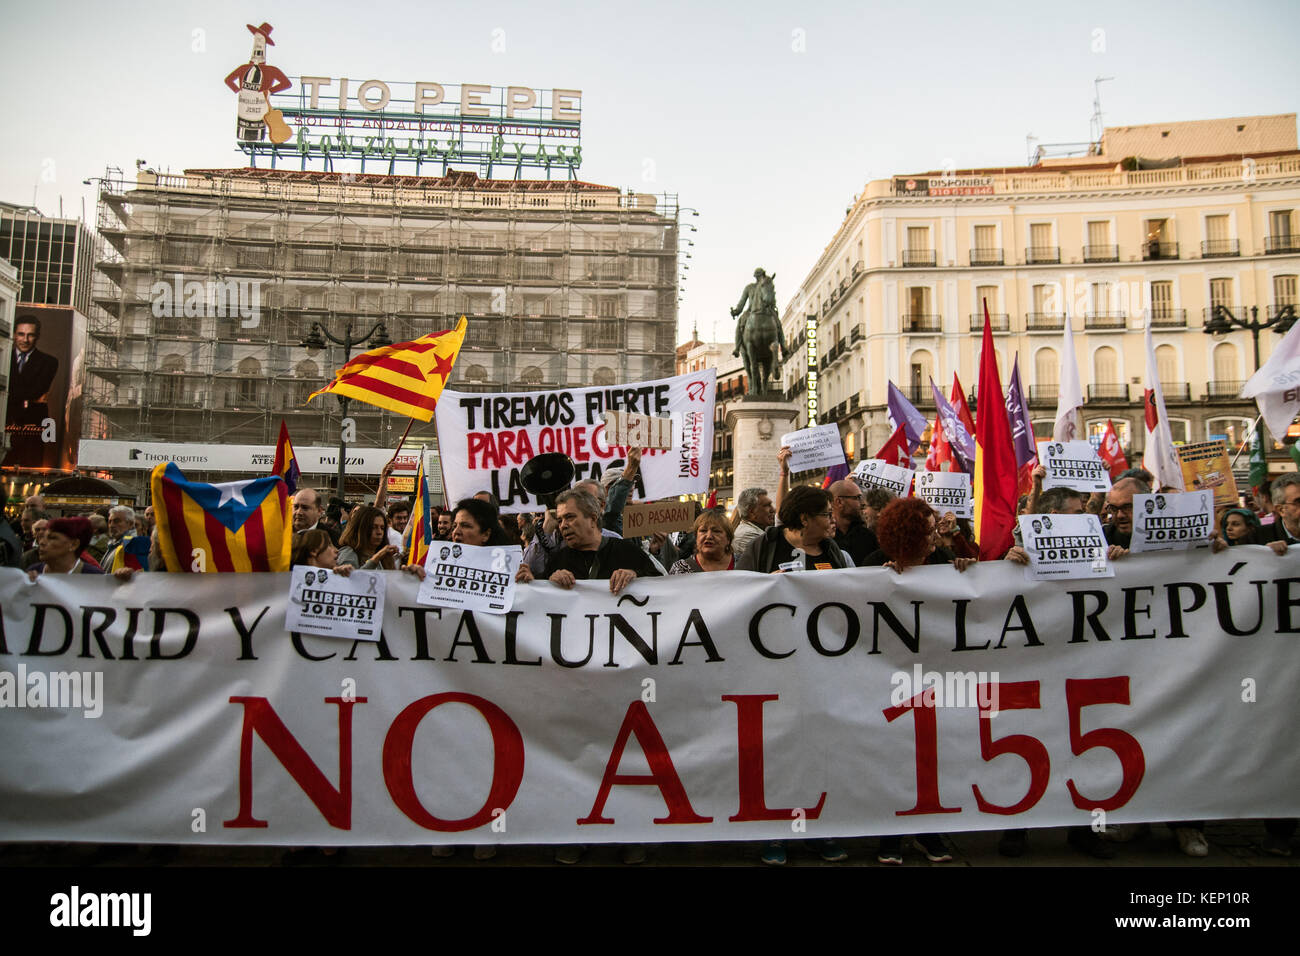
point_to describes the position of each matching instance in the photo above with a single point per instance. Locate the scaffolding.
(210, 280)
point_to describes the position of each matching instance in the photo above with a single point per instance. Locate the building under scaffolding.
(213, 278)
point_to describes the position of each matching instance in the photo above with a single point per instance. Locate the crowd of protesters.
(800, 527)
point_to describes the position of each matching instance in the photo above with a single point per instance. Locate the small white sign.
(1172, 522)
(946, 491)
(816, 447)
(327, 604)
(638, 431)
(1064, 546)
(1073, 464)
(876, 473)
(470, 577)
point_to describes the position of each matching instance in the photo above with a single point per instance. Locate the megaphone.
(545, 476)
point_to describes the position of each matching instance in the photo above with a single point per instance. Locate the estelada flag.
(1110, 451)
(134, 553)
(234, 526)
(405, 378)
(995, 459)
(286, 463)
(896, 450)
(421, 520)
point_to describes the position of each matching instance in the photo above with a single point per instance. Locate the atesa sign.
(494, 127)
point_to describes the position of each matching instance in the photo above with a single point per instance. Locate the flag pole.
(1245, 440)
(402, 441)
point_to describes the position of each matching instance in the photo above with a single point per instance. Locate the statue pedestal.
(756, 427)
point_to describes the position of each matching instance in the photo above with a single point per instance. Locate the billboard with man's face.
(46, 376)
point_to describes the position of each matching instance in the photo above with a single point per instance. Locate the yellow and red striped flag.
(421, 520)
(406, 377)
(236, 526)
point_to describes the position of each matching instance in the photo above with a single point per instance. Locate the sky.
(768, 118)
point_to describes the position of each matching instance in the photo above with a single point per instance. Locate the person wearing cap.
(61, 549)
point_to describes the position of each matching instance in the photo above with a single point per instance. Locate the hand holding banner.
(470, 577)
(1064, 546)
(815, 447)
(328, 604)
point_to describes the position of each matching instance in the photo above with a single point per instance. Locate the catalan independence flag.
(134, 553)
(235, 526)
(405, 378)
(421, 520)
(286, 463)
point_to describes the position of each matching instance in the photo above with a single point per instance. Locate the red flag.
(1110, 451)
(958, 401)
(895, 451)
(940, 451)
(713, 499)
(995, 463)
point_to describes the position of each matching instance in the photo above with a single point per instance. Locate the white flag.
(1276, 386)
(1160, 457)
(1070, 399)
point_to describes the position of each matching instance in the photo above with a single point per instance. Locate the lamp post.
(315, 339)
(1222, 322)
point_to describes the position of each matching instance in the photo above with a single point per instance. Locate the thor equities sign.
(826, 704)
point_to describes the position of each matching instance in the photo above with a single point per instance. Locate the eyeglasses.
(1121, 508)
(849, 497)
(822, 514)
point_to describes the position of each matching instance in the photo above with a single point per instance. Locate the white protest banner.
(328, 604)
(470, 577)
(875, 473)
(485, 439)
(1064, 546)
(946, 491)
(827, 678)
(1073, 464)
(1163, 522)
(638, 431)
(654, 517)
(815, 447)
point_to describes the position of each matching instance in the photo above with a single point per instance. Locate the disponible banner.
(486, 439)
(176, 708)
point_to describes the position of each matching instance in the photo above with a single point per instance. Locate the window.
(1216, 229)
(1284, 290)
(918, 239)
(1225, 362)
(1233, 430)
(922, 371)
(248, 386)
(1097, 428)
(986, 238)
(1221, 293)
(1105, 364)
(918, 300)
(1047, 368)
(1043, 299)
(1159, 230)
(1101, 297)
(1040, 235)
(1098, 234)
(532, 375)
(987, 293)
(1180, 429)
(171, 387)
(1279, 224)
(1162, 298)
(1166, 364)
(603, 377)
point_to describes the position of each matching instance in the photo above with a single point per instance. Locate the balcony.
(1279, 244)
(1044, 394)
(918, 323)
(1044, 321)
(1153, 250)
(1236, 311)
(855, 402)
(919, 395)
(918, 257)
(1176, 391)
(1283, 315)
(1101, 253)
(1043, 255)
(1220, 248)
(1167, 318)
(987, 257)
(856, 334)
(998, 322)
(1224, 388)
(1105, 321)
(1108, 393)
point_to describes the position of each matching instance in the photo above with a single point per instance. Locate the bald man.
(851, 532)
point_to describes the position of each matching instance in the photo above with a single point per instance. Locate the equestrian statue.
(758, 333)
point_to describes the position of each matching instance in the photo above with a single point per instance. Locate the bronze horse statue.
(758, 332)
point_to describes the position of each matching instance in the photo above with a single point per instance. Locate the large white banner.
(176, 709)
(485, 439)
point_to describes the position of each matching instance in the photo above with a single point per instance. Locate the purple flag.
(902, 412)
(954, 432)
(1022, 431)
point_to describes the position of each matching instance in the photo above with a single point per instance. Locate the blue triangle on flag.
(231, 502)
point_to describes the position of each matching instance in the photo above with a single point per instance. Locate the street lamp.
(315, 339)
(1222, 322)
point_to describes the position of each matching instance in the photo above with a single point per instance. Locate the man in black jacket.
(1285, 529)
(587, 554)
(31, 373)
(851, 531)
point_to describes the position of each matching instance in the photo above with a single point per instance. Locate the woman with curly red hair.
(907, 530)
